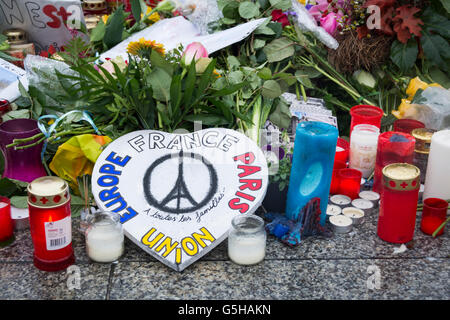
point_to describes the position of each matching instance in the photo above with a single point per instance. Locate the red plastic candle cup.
(398, 204)
(393, 147)
(334, 189)
(365, 114)
(350, 182)
(342, 150)
(407, 125)
(433, 215)
(6, 223)
(50, 223)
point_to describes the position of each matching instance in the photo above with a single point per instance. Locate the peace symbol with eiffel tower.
(180, 190)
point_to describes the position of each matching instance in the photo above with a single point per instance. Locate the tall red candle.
(334, 188)
(50, 223)
(6, 223)
(342, 150)
(407, 125)
(398, 204)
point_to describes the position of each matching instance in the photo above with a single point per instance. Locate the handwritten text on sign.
(177, 193)
(47, 22)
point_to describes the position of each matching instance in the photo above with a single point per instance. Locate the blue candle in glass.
(312, 166)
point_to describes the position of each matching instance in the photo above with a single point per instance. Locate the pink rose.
(330, 22)
(194, 51)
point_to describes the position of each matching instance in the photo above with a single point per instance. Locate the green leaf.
(160, 82)
(303, 79)
(435, 22)
(271, 89)
(265, 73)
(281, 117)
(279, 49)
(439, 77)
(404, 55)
(231, 10)
(248, 10)
(20, 202)
(115, 28)
(98, 33)
(446, 5)
(280, 4)
(136, 10)
(436, 49)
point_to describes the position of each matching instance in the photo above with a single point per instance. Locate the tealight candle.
(372, 196)
(247, 240)
(104, 237)
(333, 210)
(340, 200)
(341, 223)
(353, 213)
(363, 204)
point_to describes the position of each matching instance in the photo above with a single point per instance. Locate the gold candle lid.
(16, 36)
(423, 139)
(401, 177)
(94, 5)
(48, 192)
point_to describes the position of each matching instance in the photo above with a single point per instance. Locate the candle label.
(177, 193)
(58, 234)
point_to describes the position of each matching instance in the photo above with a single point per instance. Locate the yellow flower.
(405, 105)
(217, 74)
(105, 18)
(416, 84)
(145, 46)
(302, 1)
(149, 17)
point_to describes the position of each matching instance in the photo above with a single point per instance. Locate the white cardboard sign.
(177, 193)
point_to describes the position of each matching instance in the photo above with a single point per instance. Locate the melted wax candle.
(312, 167)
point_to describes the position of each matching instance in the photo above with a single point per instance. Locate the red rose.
(279, 16)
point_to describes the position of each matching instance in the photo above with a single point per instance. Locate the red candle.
(365, 114)
(342, 150)
(398, 204)
(4, 108)
(334, 189)
(6, 223)
(350, 182)
(393, 147)
(407, 125)
(50, 223)
(433, 215)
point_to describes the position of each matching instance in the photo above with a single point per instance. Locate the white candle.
(247, 250)
(354, 213)
(341, 223)
(437, 180)
(363, 148)
(105, 241)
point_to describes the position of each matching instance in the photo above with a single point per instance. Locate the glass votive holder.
(350, 182)
(407, 125)
(365, 114)
(6, 223)
(363, 148)
(247, 240)
(433, 215)
(342, 150)
(334, 188)
(104, 237)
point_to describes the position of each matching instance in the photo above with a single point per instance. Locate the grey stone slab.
(288, 279)
(24, 281)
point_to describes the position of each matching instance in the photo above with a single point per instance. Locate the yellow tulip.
(402, 109)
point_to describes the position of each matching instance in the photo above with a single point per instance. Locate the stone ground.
(341, 267)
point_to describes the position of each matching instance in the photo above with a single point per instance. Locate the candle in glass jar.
(247, 240)
(363, 148)
(6, 223)
(437, 180)
(105, 238)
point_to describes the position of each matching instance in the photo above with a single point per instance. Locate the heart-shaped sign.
(177, 193)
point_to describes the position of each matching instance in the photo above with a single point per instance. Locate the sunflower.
(144, 47)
